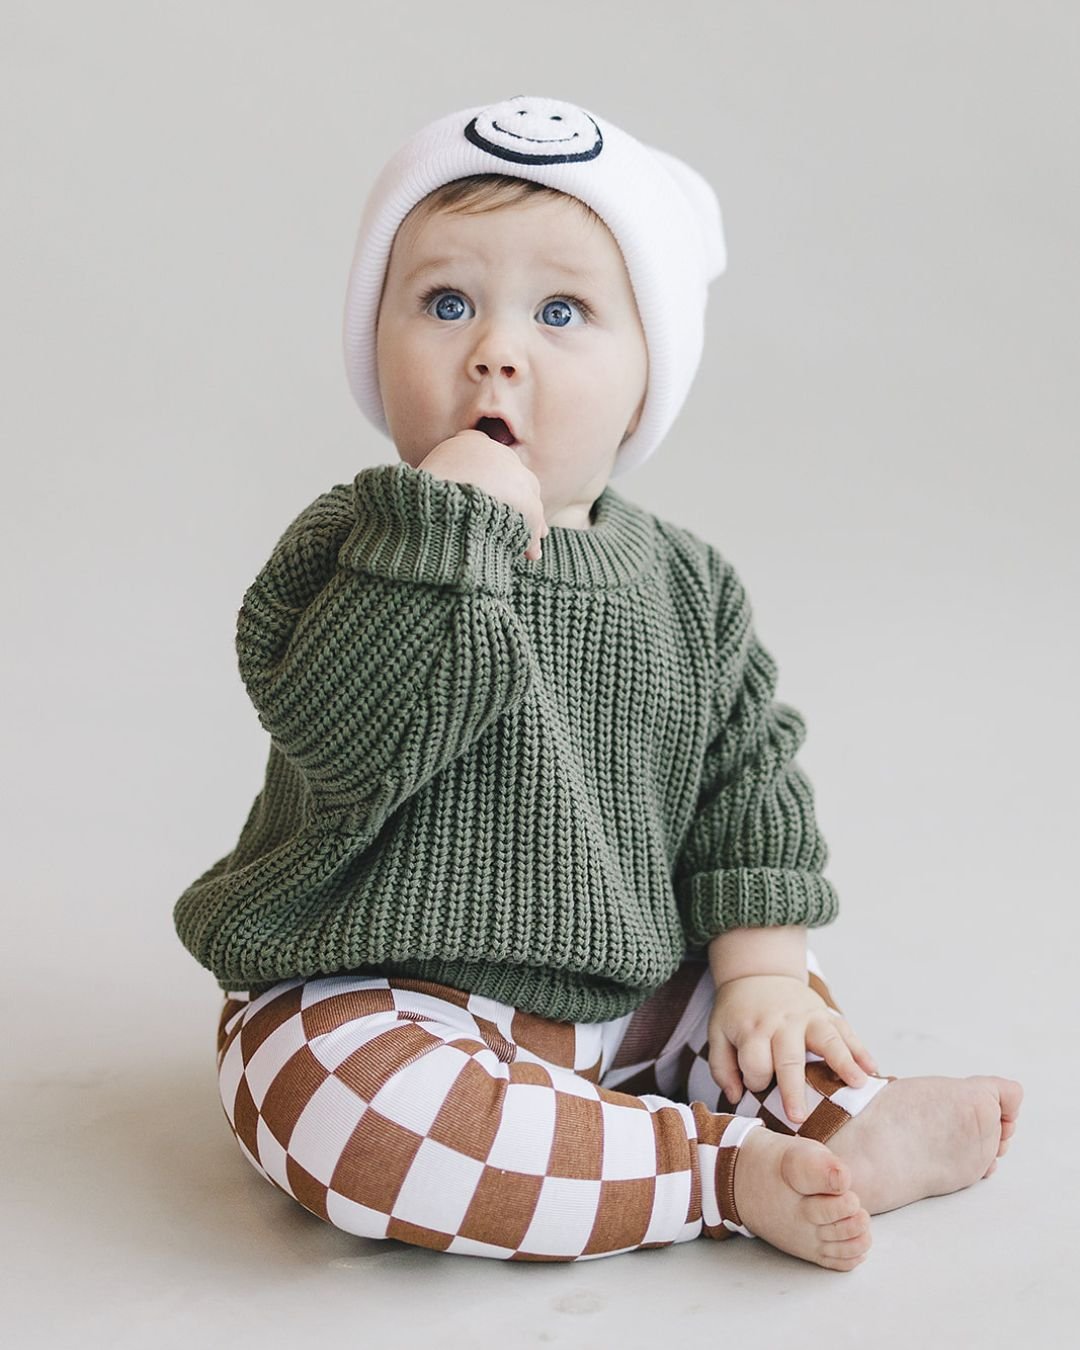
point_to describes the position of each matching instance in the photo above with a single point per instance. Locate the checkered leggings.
(399, 1108)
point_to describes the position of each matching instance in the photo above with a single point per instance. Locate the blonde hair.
(482, 192)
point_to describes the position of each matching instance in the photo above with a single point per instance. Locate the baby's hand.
(473, 457)
(762, 1021)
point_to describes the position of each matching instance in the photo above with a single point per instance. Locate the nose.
(497, 349)
(482, 369)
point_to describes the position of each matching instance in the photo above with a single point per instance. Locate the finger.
(789, 1056)
(824, 1038)
(862, 1055)
(756, 1062)
(724, 1067)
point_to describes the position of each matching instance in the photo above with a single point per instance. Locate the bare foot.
(927, 1136)
(795, 1193)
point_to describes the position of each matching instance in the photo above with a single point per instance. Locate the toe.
(828, 1209)
(1012, 1095)
(849, 1247)
(985, 1122)
(813, 1169)
(831, 1264)
(853, 1226)
(991, 1168)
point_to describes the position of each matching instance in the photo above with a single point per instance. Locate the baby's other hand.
(763, 1026)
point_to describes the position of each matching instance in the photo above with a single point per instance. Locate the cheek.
(598, 390)
(408, 373)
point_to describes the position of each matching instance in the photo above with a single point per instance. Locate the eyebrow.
(555, 264)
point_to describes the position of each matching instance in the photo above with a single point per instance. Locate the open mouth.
(497, 429)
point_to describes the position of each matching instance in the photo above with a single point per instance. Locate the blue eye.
(452, 307)
(441, 310)
(561, 307)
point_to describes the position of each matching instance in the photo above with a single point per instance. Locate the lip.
(494, 413)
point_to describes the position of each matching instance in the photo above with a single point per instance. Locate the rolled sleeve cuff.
(754, 897)
(414, 526)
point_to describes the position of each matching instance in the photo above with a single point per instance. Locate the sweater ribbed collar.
(618, 549)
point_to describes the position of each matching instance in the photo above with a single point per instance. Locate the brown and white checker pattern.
(398, 1108)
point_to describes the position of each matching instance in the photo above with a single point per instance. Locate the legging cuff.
(720, 1137)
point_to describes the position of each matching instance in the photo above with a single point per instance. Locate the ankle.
(744, 1176)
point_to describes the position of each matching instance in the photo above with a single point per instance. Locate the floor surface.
(134, 1219)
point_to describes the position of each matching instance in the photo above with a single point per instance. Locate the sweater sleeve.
(753, 855)
(377, 643)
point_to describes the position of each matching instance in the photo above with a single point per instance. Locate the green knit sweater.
(542, 781)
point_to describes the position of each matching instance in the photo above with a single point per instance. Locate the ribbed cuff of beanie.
(414, 526)
(754, 897)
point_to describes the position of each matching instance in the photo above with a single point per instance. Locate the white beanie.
(662, 213)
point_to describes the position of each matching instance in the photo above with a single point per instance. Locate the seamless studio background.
(881, 437)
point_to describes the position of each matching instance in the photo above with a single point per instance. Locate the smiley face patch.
(529, 130)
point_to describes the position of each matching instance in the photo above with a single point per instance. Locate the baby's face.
(528, 309)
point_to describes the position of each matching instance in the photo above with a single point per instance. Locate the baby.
(534, 863)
